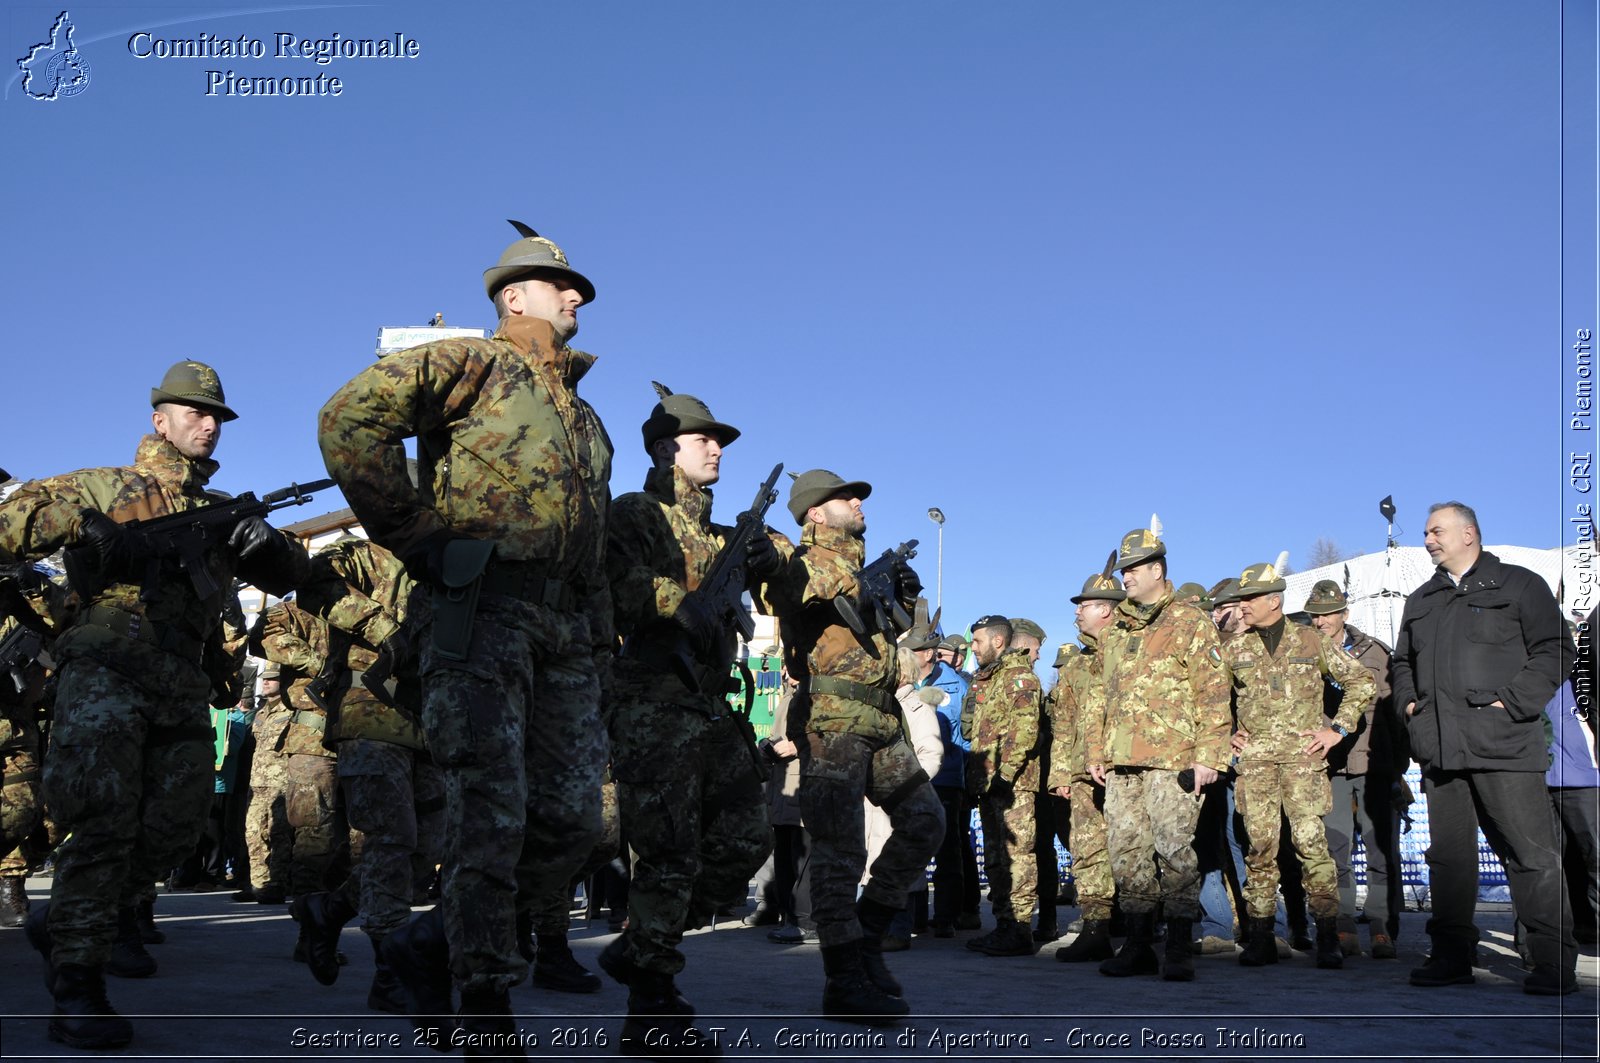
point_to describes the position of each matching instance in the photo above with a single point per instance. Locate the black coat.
(1496, 637)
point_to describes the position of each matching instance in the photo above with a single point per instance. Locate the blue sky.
(1050, 267)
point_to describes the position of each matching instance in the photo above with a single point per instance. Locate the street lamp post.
(937, 516)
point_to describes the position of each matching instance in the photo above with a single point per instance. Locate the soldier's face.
(1092, 615)
(842, 513)
(1029, 643)
(1143, 582)
(555, 301)
(986, 646)
(1263, 610)
(193, 431)
(700, 458)
(1330, 624)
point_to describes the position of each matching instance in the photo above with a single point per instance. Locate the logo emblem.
(55, 69)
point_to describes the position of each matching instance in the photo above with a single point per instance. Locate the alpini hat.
(1258, 580)
(1065, 654)
(817, 486)
(1224, 592)
(1139, 546)
(1326, 597)
(193, 384)
(529, 257)
(1100, 588)
(676, 414)
(1192, 593)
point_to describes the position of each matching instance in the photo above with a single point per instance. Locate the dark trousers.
(791, 879)
(1512, 808)
(1577, 827)
(1052, 818)
(949, 867)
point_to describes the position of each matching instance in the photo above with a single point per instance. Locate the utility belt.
(22, 775)
(168, 638)
(530, 581)
(844, 688)
(470, 568)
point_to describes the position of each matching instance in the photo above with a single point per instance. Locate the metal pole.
(936, 515)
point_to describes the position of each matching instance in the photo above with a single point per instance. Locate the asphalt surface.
(228, 990)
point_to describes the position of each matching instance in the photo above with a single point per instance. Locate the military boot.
(321, 917)
(37, 929)
(386, 994)
(658, 1026)
(1092, 943)
(488, 1029)
(554, 967)
(83, 1017)
(148, 932)
(1010, 938)
(1329, 956)
(128, 957)
(419, 957)
(1136, 956)
(13, 901)
(1178, 963)
(1262, 948)
(614, 961)
(875, 918)
(848, 993)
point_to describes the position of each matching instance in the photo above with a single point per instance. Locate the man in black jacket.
(1480, 652)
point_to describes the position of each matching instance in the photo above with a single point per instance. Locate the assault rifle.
(20, 648)
(879, 598)
(666, 645)
(187, 537)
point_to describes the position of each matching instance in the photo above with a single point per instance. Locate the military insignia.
(555, 252)
(1215, 657)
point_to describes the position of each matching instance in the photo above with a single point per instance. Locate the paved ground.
(227, 990)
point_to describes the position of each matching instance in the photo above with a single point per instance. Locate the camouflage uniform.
(297, 641)
(688, 789)
(1279, 697)
(1003, 704)
(1077, 698)
(268, 837)
(393, 792)
(508, 454)
(844, 720)
(1166, 708)
(129, 776)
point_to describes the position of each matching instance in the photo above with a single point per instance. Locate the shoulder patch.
(1214, 656)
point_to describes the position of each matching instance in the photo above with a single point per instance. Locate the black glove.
(268, 558)
(1003, 790)
(761, 558)
(103, 554)
(906, 578)
(425, 560)
(394, 651)
(702, 625)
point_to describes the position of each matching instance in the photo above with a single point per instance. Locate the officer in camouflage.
(1078, 699)
(129, 776)
(269, 839)
(1278, 670)
(1002, 772)
(688, 788)
(506, 531)
(1164, 737)
(845, 722)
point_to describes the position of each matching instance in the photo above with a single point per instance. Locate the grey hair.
(1463, 511)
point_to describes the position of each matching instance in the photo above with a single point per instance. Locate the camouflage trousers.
(1009, 861)
(690, 796)
(269, 840)
(316, 815)
(837, 771)
(394, 802)
(20, 810)
(1150, 824)
(516, 728)
(129, 779)
(1091, 868)
(551, 914)
(1266, 794)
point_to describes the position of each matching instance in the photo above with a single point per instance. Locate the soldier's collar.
(168, 465)
(535, 339)
(671, 484)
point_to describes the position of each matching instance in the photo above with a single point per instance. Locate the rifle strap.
(165, 637)
(844, 688)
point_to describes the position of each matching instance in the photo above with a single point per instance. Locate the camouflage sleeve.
(332, 594)
(1022, 721)
(1062, 705)
(640, 594)
(42, 516)
(284, 641)
(1353, 678)
(362, 429)
(1209, 686)
(806, 579)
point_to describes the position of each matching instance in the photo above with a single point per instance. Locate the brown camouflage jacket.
(361, 590)
(507, 452)
(1005, 700)
(816, 642)
(1280, 694)
(43, 516)
(1077, 698)
(1166, 692)
(297, 642)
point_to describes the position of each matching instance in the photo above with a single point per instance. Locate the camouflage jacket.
(1374, 744)
(361, 590)
(660, 542)
(298, 643)
(1005, 702)
(816, 642)
(1077, 698)
(43, 516)
(1280, 693)
(507, 452)
(1166, 692)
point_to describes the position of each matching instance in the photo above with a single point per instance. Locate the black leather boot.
(614, 961)
(1010, 938)
(13, 901)
(1178, 964)
(148, 932)
(1092, 943)
(875, 918)
(554, 967)
(658, 1024)
(83, 1017)
(128, 956)
(386, 994)
(1330, 957)
(1262, 948)
(321, 917)
(488, 1029)
(419, 956)
(1136, 956)
(850, 995)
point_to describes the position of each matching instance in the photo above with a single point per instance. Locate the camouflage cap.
(1021, 625)
(817, 486)
(1099, 588)
(956, 642)
(1065, 654)
(676, 414)
(1192, 593)
(1223, 592)
(1326, 597)
(1258, 580)
(1139, 546)
(193, 384)
(529, 257)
